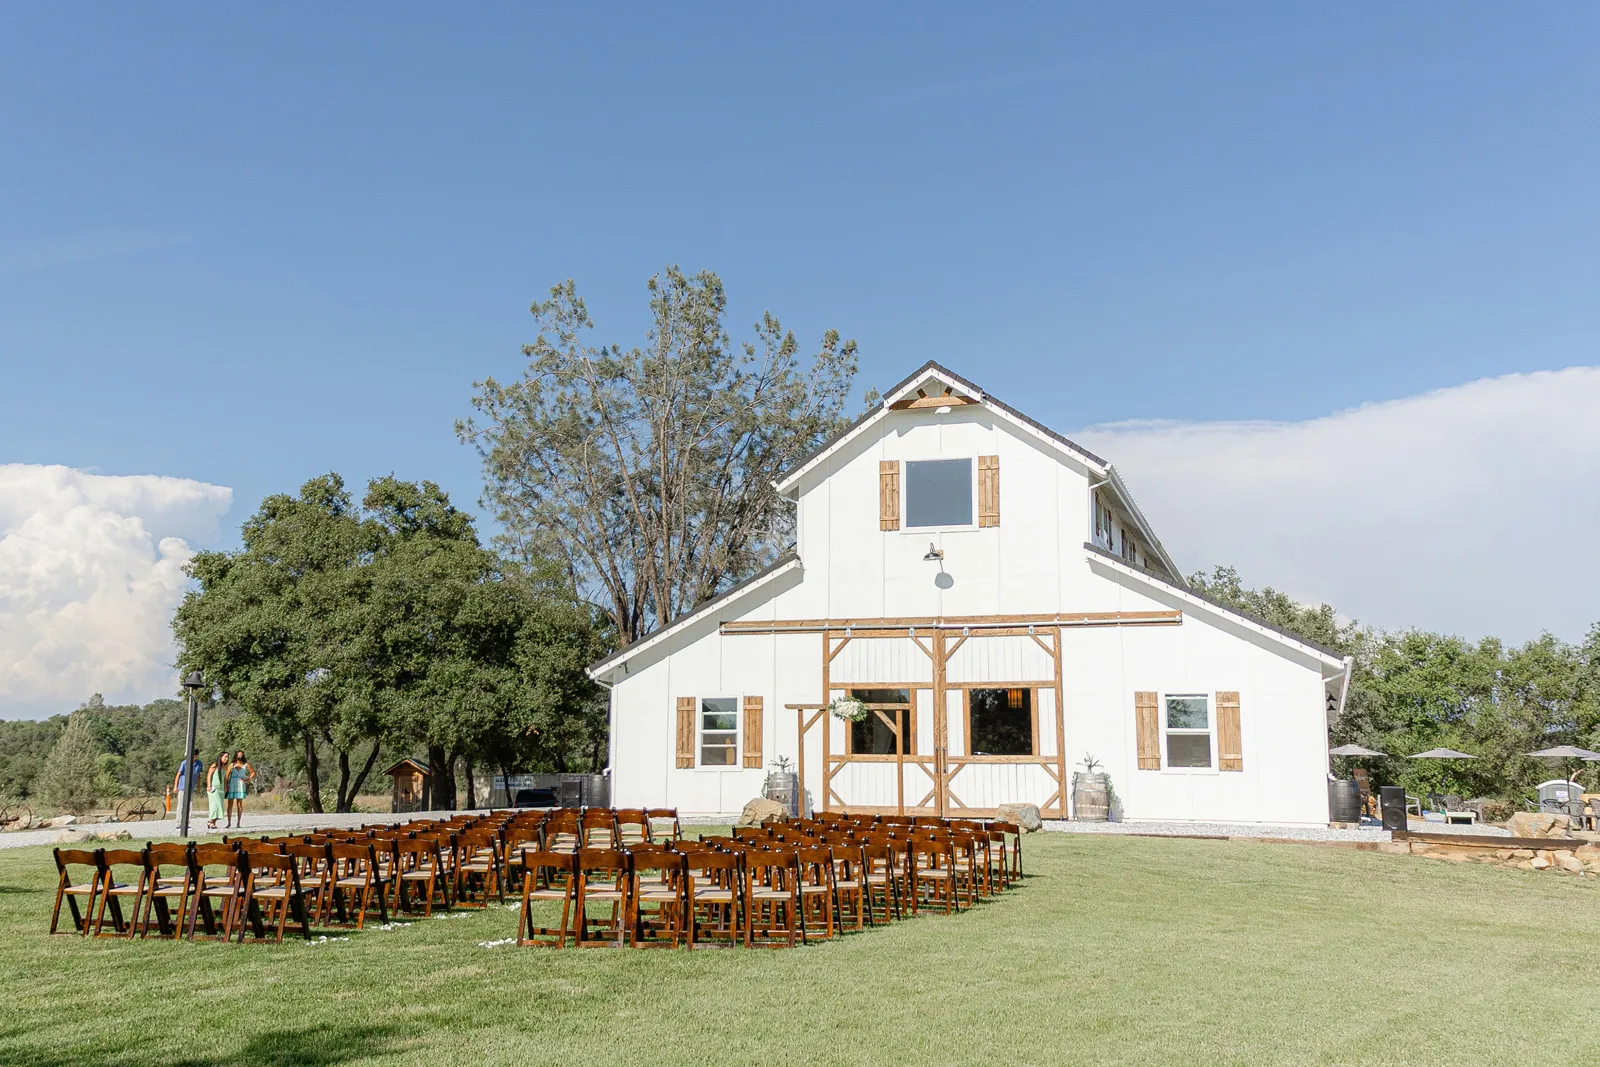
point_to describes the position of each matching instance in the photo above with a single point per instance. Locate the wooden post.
(827, 736)
(941, 715)
(1061, 739)
(800, 762)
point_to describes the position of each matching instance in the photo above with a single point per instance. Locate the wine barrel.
(1091, 797)
(1344, 801)
(784, 787)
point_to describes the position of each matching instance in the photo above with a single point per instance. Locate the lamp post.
(193, 684)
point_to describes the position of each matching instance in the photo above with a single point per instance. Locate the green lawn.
(1114, 951)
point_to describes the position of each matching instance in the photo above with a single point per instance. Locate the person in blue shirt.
(181, 781)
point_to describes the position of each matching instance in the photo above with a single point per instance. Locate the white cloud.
(1472, 510)
(91, 568)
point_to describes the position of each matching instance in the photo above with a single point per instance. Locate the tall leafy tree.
(478, 665)
(646, 472)
(277, 627)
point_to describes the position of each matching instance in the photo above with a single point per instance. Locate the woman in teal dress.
(240, 775)
(217, 791)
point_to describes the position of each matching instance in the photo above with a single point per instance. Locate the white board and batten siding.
(1026, 557)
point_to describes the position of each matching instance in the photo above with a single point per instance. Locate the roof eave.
(598, 670)
(1322, 653)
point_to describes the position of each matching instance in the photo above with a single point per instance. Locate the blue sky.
(248, 245)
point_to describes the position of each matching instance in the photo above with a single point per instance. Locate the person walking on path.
(181, 781)
(240, 775)
(217, 791)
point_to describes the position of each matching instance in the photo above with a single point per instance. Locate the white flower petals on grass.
(323, 940)
(497, 944)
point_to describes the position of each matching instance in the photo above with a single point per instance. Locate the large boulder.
(60, 820)
(760, 810)
(1539, 824)
(1024, 815)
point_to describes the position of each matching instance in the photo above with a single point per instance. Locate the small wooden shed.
(410, 789)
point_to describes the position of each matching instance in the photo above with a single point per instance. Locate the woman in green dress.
(216, 791)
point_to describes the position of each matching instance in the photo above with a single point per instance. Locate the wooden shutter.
(988, 490)
(686, 731)
(1145, 717)
(752, 732)
(1230, 742)
(888, 494)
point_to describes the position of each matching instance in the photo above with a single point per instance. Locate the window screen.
(719, 731)
(939, 492)
(1001, 721)
(1188, 731)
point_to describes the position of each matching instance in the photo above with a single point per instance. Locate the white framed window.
(1130, 550)
(1187, 736)
(938, 492)
(1102, 525)
(719, 731)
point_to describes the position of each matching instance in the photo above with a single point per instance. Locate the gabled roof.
(772, 570)
(900, 391)
(1331, 656)
(933, 371)
(418, 764)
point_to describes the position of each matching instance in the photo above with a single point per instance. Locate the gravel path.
(1219, 829)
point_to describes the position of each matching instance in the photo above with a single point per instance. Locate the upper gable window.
(938, 492)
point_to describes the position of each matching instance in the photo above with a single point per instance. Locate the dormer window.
(1102, 525)
(938, 492)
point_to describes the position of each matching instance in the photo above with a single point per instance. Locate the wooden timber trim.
(949, 399)
(988, 623)
(940, 765)
(1546, 844)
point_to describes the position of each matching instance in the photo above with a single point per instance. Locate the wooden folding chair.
(849, 878)
(772, 889)
(561, 833)
(421, 868)
(479, 862)
(1013, 836)
(71, 891)
(166, 886)
(271, 879)
(357, 879)
(713, 885)
(931, 863)
(315, 869)
(882, 868)
(218, 880)
(548, 876)
(656, 816)
(818, 896)
(633, 827)
(599, 827)
(114, 892)
(602, 879)
(657, 897)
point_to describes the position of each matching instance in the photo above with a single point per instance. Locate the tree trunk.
(472, 785)
(341, 801)
(366, 769)
(313, 779)
(442, 785)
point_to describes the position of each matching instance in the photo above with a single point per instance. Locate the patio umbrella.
(1570, 753)
(1358, 750)
(1441, 753)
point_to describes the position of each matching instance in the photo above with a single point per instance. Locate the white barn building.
(995, 593)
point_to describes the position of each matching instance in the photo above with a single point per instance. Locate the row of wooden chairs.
(767, 886)
(322, 876)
